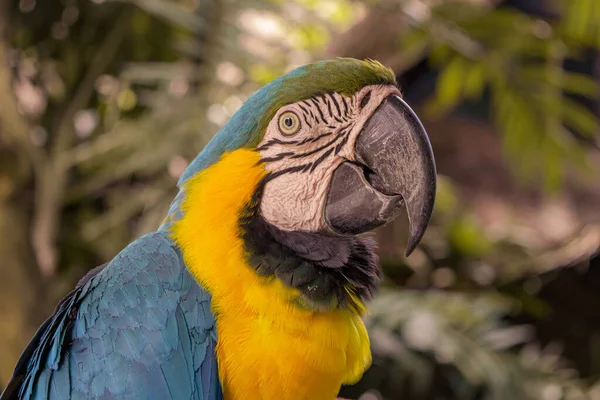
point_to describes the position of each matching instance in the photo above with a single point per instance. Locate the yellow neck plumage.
(268, 348)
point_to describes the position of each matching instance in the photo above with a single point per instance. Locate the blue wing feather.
(139, 328)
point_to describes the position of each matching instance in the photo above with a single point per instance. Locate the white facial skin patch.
(303, 145)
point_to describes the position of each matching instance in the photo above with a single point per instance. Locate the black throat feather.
(329, 271)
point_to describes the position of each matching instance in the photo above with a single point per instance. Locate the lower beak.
(395, 169)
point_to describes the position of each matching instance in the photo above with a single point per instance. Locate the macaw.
(255, 284)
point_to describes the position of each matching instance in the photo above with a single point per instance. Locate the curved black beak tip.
(395, 146)
(420, 207)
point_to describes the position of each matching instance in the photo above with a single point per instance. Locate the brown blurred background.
(104, 102)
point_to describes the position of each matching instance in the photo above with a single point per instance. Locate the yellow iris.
(289, 123)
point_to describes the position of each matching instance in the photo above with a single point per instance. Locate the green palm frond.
(517, 59)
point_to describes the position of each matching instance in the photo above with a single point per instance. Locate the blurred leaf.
(486, 25)
(475, 81)
(413, 46)
(446, 199)
(263, 74)
(343, 14)
(518, 124)
(141, 23)
(580, 118)
(440, 53)
(127, 100)
(578, 18)
(580, 84)
(449, 87)
(554, 164)
(171, 13)
(468, 238)
(309, 37)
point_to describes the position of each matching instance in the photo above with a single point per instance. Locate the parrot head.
(343, 154)
(343, 163)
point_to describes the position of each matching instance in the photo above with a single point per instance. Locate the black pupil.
(288, 122)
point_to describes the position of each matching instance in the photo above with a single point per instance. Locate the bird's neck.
(210, 236)
(266, 341)
(330, 272)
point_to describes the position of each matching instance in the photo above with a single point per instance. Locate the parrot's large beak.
(395, 169)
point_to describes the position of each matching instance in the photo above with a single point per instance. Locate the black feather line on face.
(325, 269)
(337, 106)
(316, 103)
(297, 168)
(328, 106)
(316, 138)
(277, 157)
(306, 121)
(340, 145)
(345, 106)
(275, 141)
(304, 110)
(320, 159)
(318, 149)
(305, 116)
(310, 111)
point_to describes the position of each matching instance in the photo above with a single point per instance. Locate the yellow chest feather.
(268, 348)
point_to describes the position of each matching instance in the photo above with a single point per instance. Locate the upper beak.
(395, 169)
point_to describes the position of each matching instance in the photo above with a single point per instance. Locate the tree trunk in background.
(21, 294)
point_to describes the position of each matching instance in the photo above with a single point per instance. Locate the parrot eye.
(289, 123)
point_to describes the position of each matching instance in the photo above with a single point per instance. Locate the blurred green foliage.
(517, 60)
(119, 96)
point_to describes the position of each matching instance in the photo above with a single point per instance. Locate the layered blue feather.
(139, 328)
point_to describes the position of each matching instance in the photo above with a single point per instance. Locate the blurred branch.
(154, 215)
(152, 72)
(21, 289)
(171, 13)
(581, 247)
(52, 184)
(137, 200)
(106, 142)
(139, 146)
(144, 164)
(14, 129)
